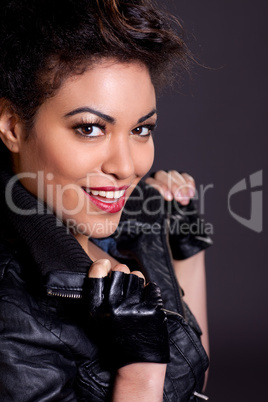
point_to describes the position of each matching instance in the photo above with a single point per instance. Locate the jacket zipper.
(64, 294)
(171, 270)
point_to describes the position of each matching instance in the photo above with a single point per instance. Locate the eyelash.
(102, 127)
(150, 127)
(83, 125)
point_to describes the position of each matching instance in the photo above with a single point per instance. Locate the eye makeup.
(149, 128)
(89, 128)
(92, 126)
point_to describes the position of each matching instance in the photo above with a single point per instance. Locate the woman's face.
(91, 144)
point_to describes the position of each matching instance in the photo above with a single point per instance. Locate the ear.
(11, 127)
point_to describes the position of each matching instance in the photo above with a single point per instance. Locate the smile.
(110, 200)
(111, 196)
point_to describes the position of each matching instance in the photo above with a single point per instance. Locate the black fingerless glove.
(188, 232)
(131, 318)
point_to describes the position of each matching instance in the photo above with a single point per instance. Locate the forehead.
(112, 86)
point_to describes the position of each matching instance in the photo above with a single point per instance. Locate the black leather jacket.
(48, 348)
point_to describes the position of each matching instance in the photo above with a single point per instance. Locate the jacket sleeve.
(188, 232)
(31, 367)
(37, 365)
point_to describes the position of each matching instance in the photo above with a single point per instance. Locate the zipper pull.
(171, 312)
(201, 396)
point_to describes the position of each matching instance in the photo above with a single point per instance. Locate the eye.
(90, 130)
(144, 131)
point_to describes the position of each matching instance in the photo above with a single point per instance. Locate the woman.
(78, 108)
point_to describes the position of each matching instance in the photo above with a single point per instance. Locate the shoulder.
(14, 297)
(18, 303)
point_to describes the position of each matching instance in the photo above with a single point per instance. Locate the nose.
(119, 160)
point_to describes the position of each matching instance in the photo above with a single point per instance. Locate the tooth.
(106, 194)
(110, 194)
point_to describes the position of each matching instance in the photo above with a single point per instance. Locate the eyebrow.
(104, 116)
(147, 116)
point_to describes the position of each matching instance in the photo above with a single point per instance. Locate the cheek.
(143, 158)
(70, 161)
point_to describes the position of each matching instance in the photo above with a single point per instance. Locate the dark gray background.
(216, 129)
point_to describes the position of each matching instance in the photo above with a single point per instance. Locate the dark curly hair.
(42, 42)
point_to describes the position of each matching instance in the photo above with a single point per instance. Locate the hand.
(129, 314)
(173, 185)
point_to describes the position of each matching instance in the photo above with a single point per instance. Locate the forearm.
(192, 278)
(141, 382)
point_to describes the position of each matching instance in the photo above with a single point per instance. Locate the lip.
(112, 206)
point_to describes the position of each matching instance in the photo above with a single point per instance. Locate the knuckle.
(188, 177)
(178, 177)
(153, 182)
(159, 174)
(121, 268)
(183, 187)
(149, 180)
(99, 268)
(138, 273)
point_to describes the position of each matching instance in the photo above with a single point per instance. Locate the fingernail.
(191, 193)
(178, 196)
(182, 198)
(168, 195)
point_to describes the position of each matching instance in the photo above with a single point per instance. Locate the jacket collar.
(39, 230)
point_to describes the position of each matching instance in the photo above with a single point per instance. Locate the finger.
(184, 193)
(191, 182)
(94, 289)
(162, 183)
(161, 187)
(116, 292)
(139, 274)
(175, 184)
(163, 178)
(121, 268)
(134, 286)
(152, 295)
(125, 286)
(188, 178)
(183, 189)
(99, 268)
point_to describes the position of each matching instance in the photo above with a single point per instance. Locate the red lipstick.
(109, 199)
